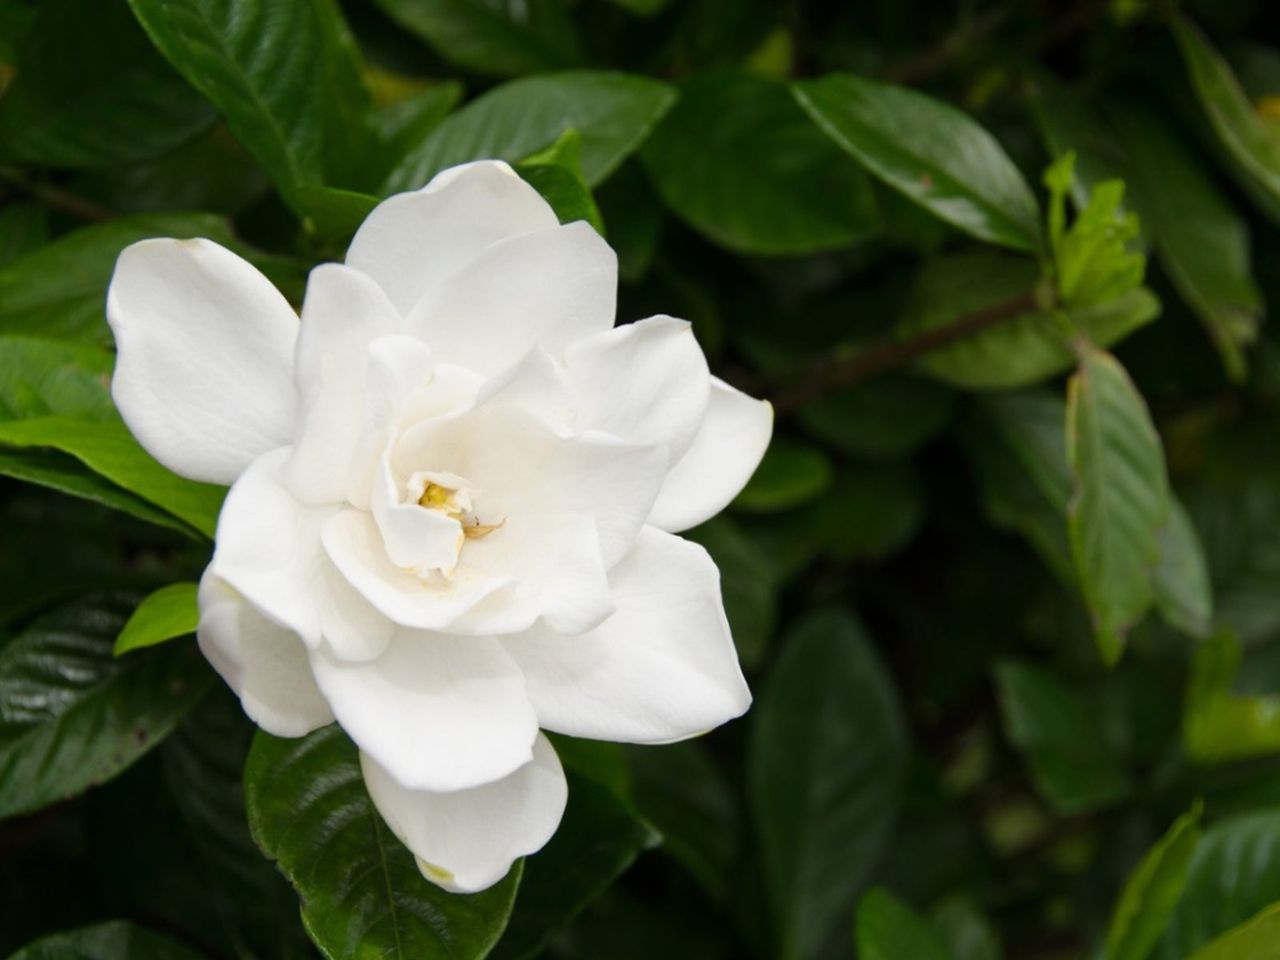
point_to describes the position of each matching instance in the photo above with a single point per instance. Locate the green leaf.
(598, 839)
(284, 76)
(496, 37)
(1062, 739)
(169, 612)
(72, 717)
(887, 929)
(49, 377)
(1023, 350)
(871, 511)
(1121, 498)
(790, 474)
(361, 892)
(931, 152)
(109, 448)
(1068, 125)
(60, 290)
(86, 73)
(23, 228)
(1202, 243)
(1251, 140)
(1256, 939)
(399, 126)
(1234, 874)
(763, 178)
(116, 940)
(1219, 725)
(612, 112)
(1153, 890)
(965, 931)
(556, 173)
(747, 583)
(1183, 592)
(886, 418)
(826, 767)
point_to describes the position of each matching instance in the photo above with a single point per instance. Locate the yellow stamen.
(478, 530)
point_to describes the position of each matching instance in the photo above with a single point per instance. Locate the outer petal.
(268, 548)
(264, 664)
(544, 289)
(343, 313)
(662, 668)
(645, 382)
(205, 349)
(726, 451)
(467, 840)
(438, 712)
(412, 241)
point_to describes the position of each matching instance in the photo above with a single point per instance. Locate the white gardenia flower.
(454, 492)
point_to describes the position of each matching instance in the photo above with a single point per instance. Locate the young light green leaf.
(1121, 498)
(493, 36)
(887, 929)
(60, 290)
(613, 113)
(1153, 891)
(764, 179)
(1234, 874)
(1252, 141)
(931, 152)
(1256, 939)
(169, 612)
(115, 940)
(1219, 725)
(1068, 125)
(1201, 242)
(1183, 590)
(361, 892)
(108, 448)
(1070, 759)
(826, 766)
(86, 72)
(71, 716)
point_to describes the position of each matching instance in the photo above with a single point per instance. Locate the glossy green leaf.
(362, 895)
(931, 152)
(1218, 724)
(72, 717)
(169, 612)
(885, 418)
(108, 448)
(1070, 760)
(747, 584)
(1153, 891)
(598, 839)
(612, 112)
(763, 178)
(1121, 498)
(556, 173)
(400, 126)
(1183, 591)
(52, 377)
(1023, 350)
(1252, 140)
(887, 929)
(115, 940)
(790, 474)
(1202, 243)
(826, 766)
(87, 72)
(1234, 874)
(495, 37)
(60, 290)
(285, 77)
(1255, 939)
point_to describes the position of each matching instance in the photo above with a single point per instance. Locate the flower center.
(451, 495)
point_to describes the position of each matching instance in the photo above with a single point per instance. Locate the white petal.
(412, 241)
(205, 350)
(264, 664)
(467, 840)
(646, 382)
(725, 453)
(439, 712)
(520, 465)
(544, 289)
(268, 548)
(662, 668)
(343, 312)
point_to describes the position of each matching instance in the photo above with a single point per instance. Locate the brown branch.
(836, 373)
(57, 198)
